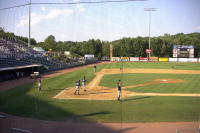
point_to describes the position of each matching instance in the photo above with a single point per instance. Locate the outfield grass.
(191, 82)
(147, 65)
(26, 101)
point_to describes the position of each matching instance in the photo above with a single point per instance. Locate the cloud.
(77, 0)
(58, 12)
(23, 21)
(197, 28)
(80, 7)
(37, 18)
(43, 8)
(61, 1)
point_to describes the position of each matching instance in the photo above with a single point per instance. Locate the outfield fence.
(155, 59)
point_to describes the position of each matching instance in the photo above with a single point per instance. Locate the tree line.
(12, 36)
(162, 46)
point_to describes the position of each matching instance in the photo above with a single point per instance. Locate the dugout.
(10, 73)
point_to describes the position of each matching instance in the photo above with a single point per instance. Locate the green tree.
(50, 43)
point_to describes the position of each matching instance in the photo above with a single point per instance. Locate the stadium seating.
(15, 54)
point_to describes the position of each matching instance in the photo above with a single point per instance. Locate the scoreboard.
(183, 51)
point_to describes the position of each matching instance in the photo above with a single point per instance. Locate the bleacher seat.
(17, 53)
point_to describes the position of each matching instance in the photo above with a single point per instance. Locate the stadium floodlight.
(149, 10)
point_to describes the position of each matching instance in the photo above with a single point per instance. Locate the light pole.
(29, 25)
(149, 10)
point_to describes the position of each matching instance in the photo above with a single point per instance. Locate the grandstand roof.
(18, 67)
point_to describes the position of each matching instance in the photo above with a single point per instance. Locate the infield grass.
(190, 82)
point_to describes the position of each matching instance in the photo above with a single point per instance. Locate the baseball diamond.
(100, 66)
(97, 92)
(151, 92)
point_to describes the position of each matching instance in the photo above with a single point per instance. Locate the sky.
(105, 21)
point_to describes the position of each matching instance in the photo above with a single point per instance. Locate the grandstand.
(18, 60)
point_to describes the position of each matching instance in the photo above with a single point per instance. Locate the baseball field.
(151, 92)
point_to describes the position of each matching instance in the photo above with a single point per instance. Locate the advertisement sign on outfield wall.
(124, 58)
(115, 59)
(192, 59)
(173, 59)
(163, 59)
(134, 59)
(182, 59)
(143, 59)
(153, 59)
